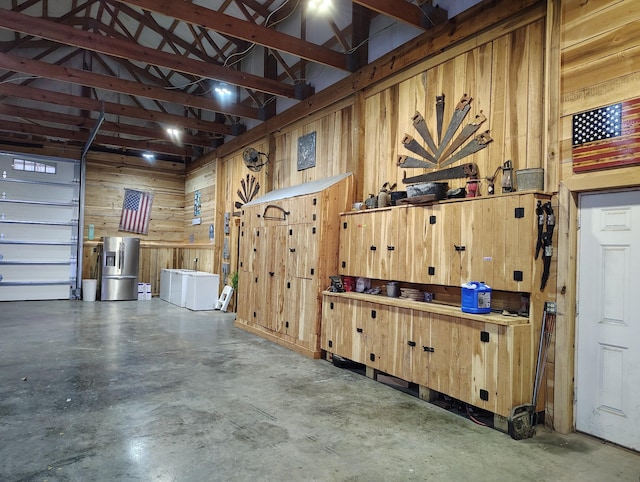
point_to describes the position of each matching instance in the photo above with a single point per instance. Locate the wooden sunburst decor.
(249, 189)
(445, 149)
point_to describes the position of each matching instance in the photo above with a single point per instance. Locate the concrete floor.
(122, 391)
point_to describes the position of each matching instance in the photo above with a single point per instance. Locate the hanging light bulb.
(320, 6)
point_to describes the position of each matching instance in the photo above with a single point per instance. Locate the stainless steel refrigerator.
(119, 268)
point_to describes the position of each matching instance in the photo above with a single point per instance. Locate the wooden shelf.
(436, 308)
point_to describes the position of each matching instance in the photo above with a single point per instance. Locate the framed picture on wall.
(307, 151)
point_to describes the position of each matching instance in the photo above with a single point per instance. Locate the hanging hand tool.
(458, 116)
(547, 242)
(478, 143)
(540, 214)
(439, 115)
(546, 258)
(522, 421)
(421, 126)
(546, 332)
(465, 133)
(466, 170)
(408, 162)
(413, 145)
(551, 218)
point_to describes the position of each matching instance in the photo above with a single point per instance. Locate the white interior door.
(608, 325)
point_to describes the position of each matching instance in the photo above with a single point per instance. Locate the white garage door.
(39, 212)
(608, 334)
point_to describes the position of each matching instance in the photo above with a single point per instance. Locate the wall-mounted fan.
(254, 159)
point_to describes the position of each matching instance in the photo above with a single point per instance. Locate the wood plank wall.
(502, 68)
(600, 65)
(168, 243)
(107, 176)
(504, 77)
(335, 147)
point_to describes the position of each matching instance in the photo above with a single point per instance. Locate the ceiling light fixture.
(320, 6)
(173, 132)
(222, 90)
(149, 156)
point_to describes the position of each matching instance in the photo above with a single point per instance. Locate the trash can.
(89, 289)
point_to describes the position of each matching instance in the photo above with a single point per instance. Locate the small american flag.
(607, 137)
(136, 211)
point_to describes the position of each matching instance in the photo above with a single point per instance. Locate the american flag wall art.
(136, 211)
(607, 137)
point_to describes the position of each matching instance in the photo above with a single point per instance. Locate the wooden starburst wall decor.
(444, 149)
(249, 189)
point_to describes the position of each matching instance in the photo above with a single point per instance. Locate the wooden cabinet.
(482, 360)
(288, 249)
(485, 360)
(373, 242)
(489, 239)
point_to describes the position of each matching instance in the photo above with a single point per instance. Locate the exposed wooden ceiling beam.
(104, 82)
(244, 30)
(424, 17)
(78, 136)
(130, 50)
(41, 115)
(78, 102)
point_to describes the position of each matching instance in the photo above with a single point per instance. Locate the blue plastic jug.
(476, 297)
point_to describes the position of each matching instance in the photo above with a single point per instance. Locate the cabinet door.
(442, 361)
(422, 348)
(303, 250)
(302, 209)
(345, 248)
(355, 240)
(273, 276)
(313, 250)
(290, 309)
(375, 242)
(294, 250)
(519, 255)
(503, 249)
(375, 319)
(255, 250)
(343, 328)
(484, 369)
(330, 320)
(454, 253)
(475, 217)
(253, 297)
(400, 343)
(422, 245)
(246, 248)
(308, 329)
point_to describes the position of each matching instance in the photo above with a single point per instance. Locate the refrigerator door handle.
(121, 257)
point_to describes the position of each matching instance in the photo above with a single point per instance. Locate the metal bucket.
(530, 179)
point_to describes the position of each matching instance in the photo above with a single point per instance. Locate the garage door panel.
(33, 192)
(17, 252)
(35, 232)
(57, 169)
(35, 212)
(23, 273)
(35, 292)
